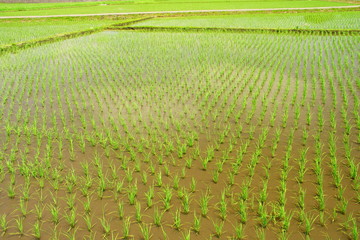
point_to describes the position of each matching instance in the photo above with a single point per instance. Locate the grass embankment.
(41, 5)
(62, 36)
(167, 6)
(240, 30)
(23, 6)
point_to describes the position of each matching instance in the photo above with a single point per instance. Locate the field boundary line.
(240, 30)
(62, 36)
(189, 11)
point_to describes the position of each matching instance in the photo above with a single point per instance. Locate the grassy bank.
(170, 6)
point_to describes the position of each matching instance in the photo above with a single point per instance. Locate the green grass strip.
(180, 8)
(264, 11)
(189, 13)
(241, 30)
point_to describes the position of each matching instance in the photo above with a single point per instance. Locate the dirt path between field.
(187, 11)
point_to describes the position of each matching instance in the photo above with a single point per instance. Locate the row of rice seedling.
(181, 135)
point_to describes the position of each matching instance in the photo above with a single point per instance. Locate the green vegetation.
(13, 47)
(104, 116)
(183, 129)
(317, 20)
(14, 31)
(128, 7)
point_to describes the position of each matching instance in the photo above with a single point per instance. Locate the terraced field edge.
(240, 30)
(58, 37)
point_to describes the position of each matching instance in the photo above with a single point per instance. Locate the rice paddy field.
(44, 8)
(313, 20)
(15, 31)
(180, 134)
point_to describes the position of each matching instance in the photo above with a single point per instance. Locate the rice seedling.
(88, 222)
(342, 206)
(177, 220)
(189, 163)
(204, 203)
(204, 163)
(216, 176)
(322, 219)
(132, 193)
(3, 223)
(218, 226)
(39, 210)
(260, 233)
(222, 206)
(264, 217)
(26, 190)
(104, 224)
(23, 208)
(186, 202)
(37, 230)
(158, 178)
(301, 199)
(263, 194)
(11, 191)
(186, 236)
(87, 205)
(145, 231)
(197, 224)
(70, 201)
(239, 232)
(308, 116)
(308, 221)
(354, 230)
(55, 213)
(157, 218)
(138, 215)
(71, 218)
(243, 211)
(286, 222)
(126, 228)
(119, 187)
(244, 192)
(193, 185)
(20, 225)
